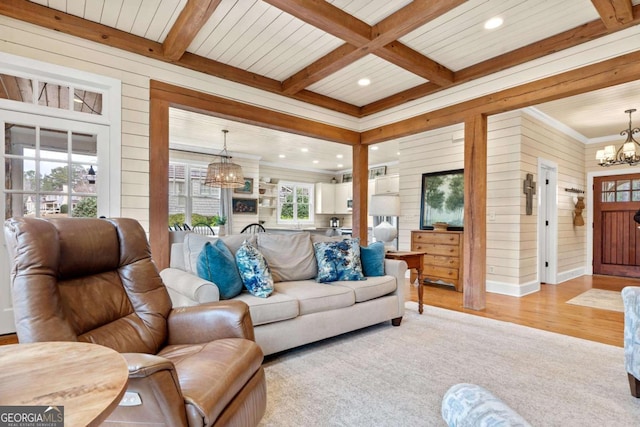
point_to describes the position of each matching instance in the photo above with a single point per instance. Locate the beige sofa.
(300, 310)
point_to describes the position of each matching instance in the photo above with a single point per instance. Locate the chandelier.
(626, 154)
(224, 173)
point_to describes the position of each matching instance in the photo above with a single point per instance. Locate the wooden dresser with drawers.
(443, 256)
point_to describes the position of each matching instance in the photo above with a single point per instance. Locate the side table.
(88, 380)
(413, 260)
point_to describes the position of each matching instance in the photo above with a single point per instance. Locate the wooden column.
(475, 211)
(159, 182)
(360, 184)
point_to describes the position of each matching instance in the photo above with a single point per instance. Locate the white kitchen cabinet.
(387, 184)
(343, 198)
(333, 198)
(325, 195)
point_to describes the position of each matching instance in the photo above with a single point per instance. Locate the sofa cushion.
(372, 258)
(373, 287)
(254, 270)
(315, 238)
(290, 256)
(338, 260)
(217, 264)
(194, 242)
(191, 247)
(314, 297)
(235, 241)
(268, 310)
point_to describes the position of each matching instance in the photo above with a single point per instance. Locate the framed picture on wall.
(247, 189)
(378, 171)
(244, 206)
(442, 199)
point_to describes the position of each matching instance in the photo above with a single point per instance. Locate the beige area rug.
(599, 298)
(388, 376)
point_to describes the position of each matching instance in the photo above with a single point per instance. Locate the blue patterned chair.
(631, 299)
(469, 405)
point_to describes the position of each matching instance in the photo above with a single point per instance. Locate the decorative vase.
(222, 230)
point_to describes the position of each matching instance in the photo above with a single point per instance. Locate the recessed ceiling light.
(398, 153)
(374, 148)
(282, 156)
(339, 156)
(493, 23)
(364, 82)
(304, 150)
(340, 165)
(315, 162)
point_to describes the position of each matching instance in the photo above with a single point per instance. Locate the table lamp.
(385, 205)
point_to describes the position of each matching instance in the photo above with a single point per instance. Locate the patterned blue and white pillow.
(338, 260)
(254, 270)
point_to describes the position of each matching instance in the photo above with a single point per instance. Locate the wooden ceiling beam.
(323, 67)
(416, 63)
(190, 21)
(328, 18)
(380, 40)
(614, 13)
(193, 100)
(618, 70)
(414, 15)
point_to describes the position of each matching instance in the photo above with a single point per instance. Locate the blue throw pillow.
(217, 264)
(372, 257)
(338, 260)
(254, 270)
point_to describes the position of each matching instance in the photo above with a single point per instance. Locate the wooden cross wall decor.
(529, 188)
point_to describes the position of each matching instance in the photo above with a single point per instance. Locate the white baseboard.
(512, 290)
(571, 274)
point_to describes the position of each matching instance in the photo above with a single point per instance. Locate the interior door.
(616, 237)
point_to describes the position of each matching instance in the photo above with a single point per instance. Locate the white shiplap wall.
(515, 141)
(542, 141)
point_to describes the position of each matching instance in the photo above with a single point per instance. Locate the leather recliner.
(93, 280)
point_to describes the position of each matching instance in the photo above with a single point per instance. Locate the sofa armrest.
(469, 405)
(631, 300)
(155, 380)
(186, 289)
(209, 322)
(398, 269)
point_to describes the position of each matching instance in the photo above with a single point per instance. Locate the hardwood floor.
(546, 309)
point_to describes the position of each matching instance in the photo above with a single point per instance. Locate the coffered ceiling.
(317, 51)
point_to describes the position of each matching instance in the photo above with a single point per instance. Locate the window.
(47, 172)
(190, 201)
(621, 190)
(295, 203)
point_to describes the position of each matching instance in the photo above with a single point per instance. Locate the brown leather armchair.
(93, 280)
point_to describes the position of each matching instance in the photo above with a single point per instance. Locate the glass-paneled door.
(52, 167)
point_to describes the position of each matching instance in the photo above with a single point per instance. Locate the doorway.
(616, 237)
(547, 221)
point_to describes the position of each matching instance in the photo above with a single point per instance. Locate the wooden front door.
(616, 237)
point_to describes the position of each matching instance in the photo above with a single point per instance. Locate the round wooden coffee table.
(87, 379)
